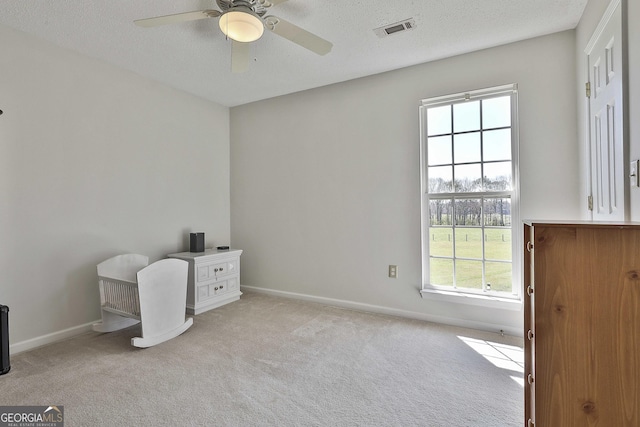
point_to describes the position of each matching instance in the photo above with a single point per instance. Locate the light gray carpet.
(266, 361)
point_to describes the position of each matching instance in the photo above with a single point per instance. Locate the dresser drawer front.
(212, 290)
(215, 270)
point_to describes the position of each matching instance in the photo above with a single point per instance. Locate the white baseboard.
(489, 327)
(50, 338)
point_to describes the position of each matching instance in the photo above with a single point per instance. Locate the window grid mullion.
(453, 200)
(453, 160)
(453, 260)
(466, 131)
(484, 255)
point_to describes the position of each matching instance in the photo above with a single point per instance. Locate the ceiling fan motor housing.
(259, 7)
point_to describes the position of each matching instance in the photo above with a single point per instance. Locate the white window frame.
(471, 296)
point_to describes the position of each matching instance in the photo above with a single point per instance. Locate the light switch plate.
(633, 173)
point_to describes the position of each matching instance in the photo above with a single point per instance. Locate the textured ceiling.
(195, 57)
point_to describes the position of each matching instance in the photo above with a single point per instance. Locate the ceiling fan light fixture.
(241, 25)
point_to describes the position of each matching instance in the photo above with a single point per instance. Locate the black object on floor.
(4, 340)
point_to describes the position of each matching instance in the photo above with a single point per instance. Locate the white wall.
(95, 161)
(325, 184)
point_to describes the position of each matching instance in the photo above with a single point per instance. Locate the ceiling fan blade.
(178, 17)
(239, 56)
(297, 35)
(276, 2)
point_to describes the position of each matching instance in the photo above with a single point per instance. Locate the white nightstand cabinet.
(214, 278)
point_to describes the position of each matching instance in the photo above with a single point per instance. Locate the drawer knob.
(529, 290)
(530, 334)
(221, 268)
(221, 287)
(529, 246)
(530, 379)
(215, 289)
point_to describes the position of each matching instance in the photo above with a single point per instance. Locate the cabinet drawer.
(215, 270)
(212, 290)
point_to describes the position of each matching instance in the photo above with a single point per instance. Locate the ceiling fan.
(244, 21)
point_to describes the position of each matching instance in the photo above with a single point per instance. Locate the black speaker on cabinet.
(196, 242)
(4, 340)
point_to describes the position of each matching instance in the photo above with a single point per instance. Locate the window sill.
(488, 301)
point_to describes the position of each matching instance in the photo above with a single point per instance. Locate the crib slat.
(120, 296)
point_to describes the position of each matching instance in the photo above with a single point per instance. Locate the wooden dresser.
(582, 324)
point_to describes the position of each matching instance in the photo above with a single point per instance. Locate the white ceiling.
(195, 57)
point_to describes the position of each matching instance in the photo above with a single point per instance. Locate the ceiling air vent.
(395, 28)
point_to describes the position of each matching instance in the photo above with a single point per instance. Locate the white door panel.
(604, 59)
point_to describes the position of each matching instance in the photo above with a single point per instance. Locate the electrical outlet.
(393, 271)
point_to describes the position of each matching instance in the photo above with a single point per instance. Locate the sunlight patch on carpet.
(504, 356)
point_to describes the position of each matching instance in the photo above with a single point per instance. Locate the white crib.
(131, 291)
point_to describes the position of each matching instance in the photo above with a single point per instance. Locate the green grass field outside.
(497, 248)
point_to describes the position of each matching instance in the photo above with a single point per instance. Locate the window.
(470, 193)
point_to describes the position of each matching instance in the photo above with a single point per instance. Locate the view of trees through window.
(470, 189)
